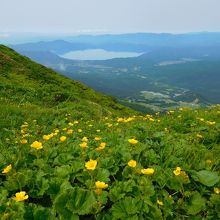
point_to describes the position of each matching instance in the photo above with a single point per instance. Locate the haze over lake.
(97, 54)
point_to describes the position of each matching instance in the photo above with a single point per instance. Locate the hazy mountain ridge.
(183, 64)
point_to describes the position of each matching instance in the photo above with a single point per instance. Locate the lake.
(97, 54)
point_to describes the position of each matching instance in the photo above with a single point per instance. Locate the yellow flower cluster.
(125, 120)
(48, 136)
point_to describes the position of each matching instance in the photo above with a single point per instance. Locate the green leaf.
(42, 214)
(207, 178)
(81, 201)
(74, 201)
(120, 189)
(127, 208)
(197, 204)
(60, 206)
(63, 171)
(102, 175)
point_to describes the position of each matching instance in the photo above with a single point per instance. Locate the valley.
(186, 73)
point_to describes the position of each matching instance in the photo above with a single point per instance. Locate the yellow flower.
(148, 171)
(98, 130)
(79, 130)
(132, 141)
(132, 163)
(97, 138)
(23, 141)
(37, 145)
(211, 122)
(177, 171)
(7, 169)
(128, 119)
(199, 136)
(91, 164)
(57, 131)
(120, 120)
(69, 131)
(109, 125)
(20, 196)
(151, 119)
(217, 190)
(102, 145)
(62, 138)
(159, 202)
(83, 145)
(70, 124)
(47, 137)
(85, 139)
(101, 185)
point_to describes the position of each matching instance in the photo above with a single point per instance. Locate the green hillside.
(31, 90)
(67, 152)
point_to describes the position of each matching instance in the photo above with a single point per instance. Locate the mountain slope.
(30, 87)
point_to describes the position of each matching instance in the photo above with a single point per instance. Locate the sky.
(108, 16)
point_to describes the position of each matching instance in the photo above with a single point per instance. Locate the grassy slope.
(55, 178)
(31, 90)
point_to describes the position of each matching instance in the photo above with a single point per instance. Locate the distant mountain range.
(175, 70)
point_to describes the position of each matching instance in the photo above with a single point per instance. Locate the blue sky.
(109, 16)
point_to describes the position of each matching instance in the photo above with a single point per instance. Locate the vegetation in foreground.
(68, 153)
(139, 167)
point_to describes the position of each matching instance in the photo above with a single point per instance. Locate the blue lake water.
(97, 54)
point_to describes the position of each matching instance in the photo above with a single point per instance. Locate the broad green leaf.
(63, 171)
(80, 201)
(197, 204)
(60, 206)
(127, 208)
(42, 214)
(207, 178)
(102, 175)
